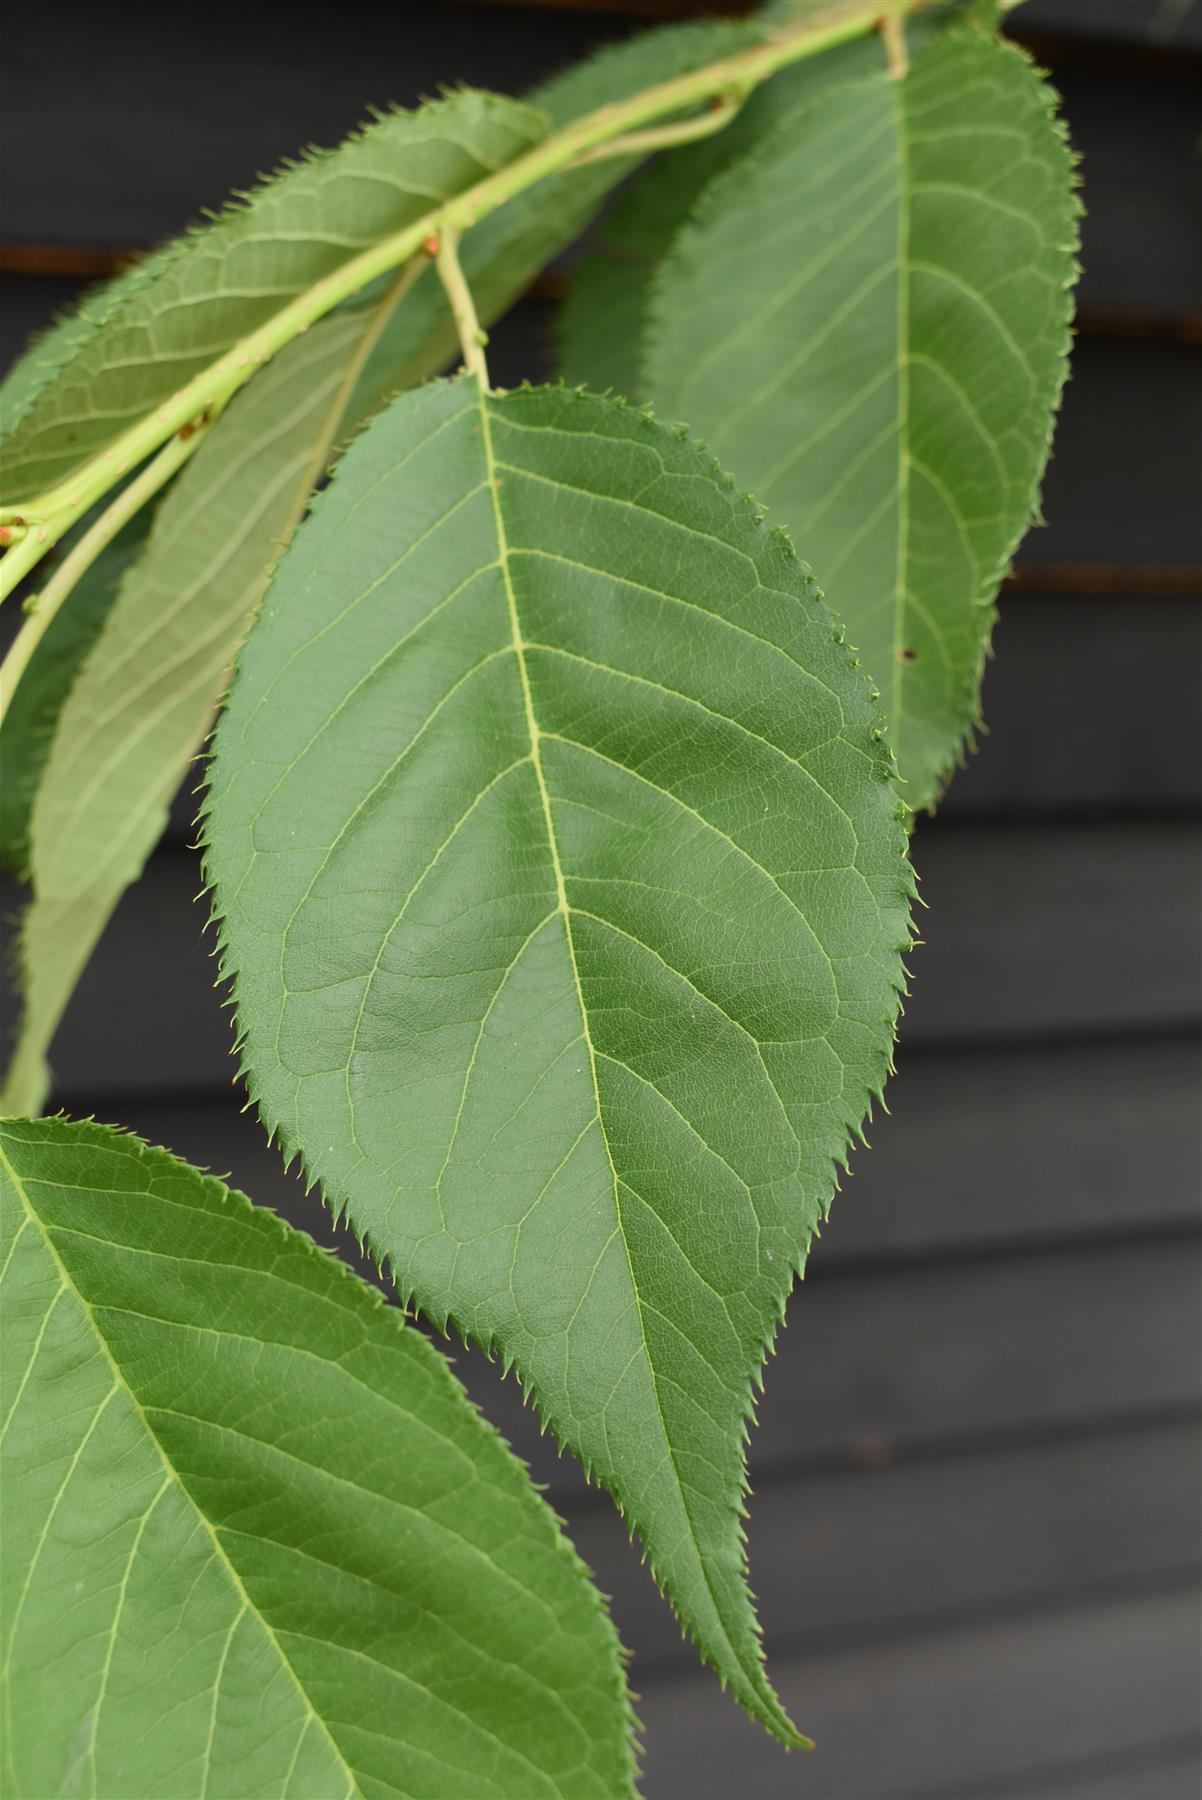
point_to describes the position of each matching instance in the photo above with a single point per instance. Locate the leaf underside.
(34, 705)
(558, 867)
(257, 1541)
(51, 350)
(143, 698)
(602, 323)
(869, 319)
(200, 295)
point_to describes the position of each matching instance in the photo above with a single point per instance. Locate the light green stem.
(723, 108)
(43, 608)
(24, 554)
(56, 511)
(463, 308)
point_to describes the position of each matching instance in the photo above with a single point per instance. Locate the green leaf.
(143, 698)
(870, 320)
(602, 323)
(257, 1540)
(50, 350)
(37, 699)
(226, 279)
(560, 873)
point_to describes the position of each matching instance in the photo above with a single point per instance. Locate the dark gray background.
(975, 1526)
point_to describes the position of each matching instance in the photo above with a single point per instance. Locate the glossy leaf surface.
(114, 765)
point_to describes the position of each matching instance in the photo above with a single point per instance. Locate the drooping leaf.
(220, 282)
(36, 701)
(257, 1541)
(869, 319)
(561, 878)
(144, 694)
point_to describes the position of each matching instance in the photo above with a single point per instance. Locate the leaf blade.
(892, 398)
(577, 654)
(602, 324)
(51, 350)
(329, 1576)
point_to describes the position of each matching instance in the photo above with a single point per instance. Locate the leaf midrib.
(121, 1385)
(903, 416)
(563, 906)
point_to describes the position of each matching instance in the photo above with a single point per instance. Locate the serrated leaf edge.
(770, 1714)
(735, 171)
(231, 1199)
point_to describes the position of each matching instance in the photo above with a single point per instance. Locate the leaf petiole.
(721, 111)
(472, 336)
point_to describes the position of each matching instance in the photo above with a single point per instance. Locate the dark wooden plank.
(856, 1553)
(1125, 482)
(940, 1712)
(1084, 711)
(1164, 23)
(874, 1364)
(1130, 21)
(1075, 1143)
(1173, 1774)
(1106, 580)
(125, 149)
(1142, 184)
(971, 1348)
(1084, 717)
(29, 303)
(1027, 1146)
(1124, 486)
(883, 1358)
(1057, 931)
